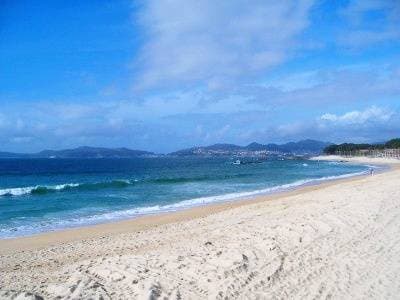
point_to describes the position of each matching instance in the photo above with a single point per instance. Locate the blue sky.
(162, 75)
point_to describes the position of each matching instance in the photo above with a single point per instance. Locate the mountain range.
(301, 147)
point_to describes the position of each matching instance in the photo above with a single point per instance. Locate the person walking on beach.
(371, 171)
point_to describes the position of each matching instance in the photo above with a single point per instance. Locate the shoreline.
(218, 199)
(334, 240)
(144, 222)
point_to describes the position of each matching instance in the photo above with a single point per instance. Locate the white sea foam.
(63, 186)
(20, 191)
(17, 191)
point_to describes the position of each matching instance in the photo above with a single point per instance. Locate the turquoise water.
(38, 195)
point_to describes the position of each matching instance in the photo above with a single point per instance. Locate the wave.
(119, 183)
(171, 180)
(45, 189)
(123, 183)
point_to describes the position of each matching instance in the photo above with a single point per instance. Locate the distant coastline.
(304, 147)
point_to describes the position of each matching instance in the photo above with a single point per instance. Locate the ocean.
(39, 195)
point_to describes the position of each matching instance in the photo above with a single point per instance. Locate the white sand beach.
(338, 240)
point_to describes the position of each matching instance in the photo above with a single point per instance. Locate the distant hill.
(81, 152)
(311, 146)
(301, 147)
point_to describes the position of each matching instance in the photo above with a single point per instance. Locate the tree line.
(347, 147)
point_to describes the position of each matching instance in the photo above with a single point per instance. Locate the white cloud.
(373, 114)
(214, 42)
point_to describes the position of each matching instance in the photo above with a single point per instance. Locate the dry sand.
(337, 240)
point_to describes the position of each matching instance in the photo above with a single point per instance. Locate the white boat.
(237, 162)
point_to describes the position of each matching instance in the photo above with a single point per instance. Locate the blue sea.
(39, 195)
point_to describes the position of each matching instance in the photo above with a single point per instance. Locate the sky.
(163, 75)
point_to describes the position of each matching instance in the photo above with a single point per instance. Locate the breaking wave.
(44, 189)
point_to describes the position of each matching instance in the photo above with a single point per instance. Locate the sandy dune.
(339, 241)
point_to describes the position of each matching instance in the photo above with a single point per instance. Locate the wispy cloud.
(355, 84)
(215, 42)
(370, 22)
